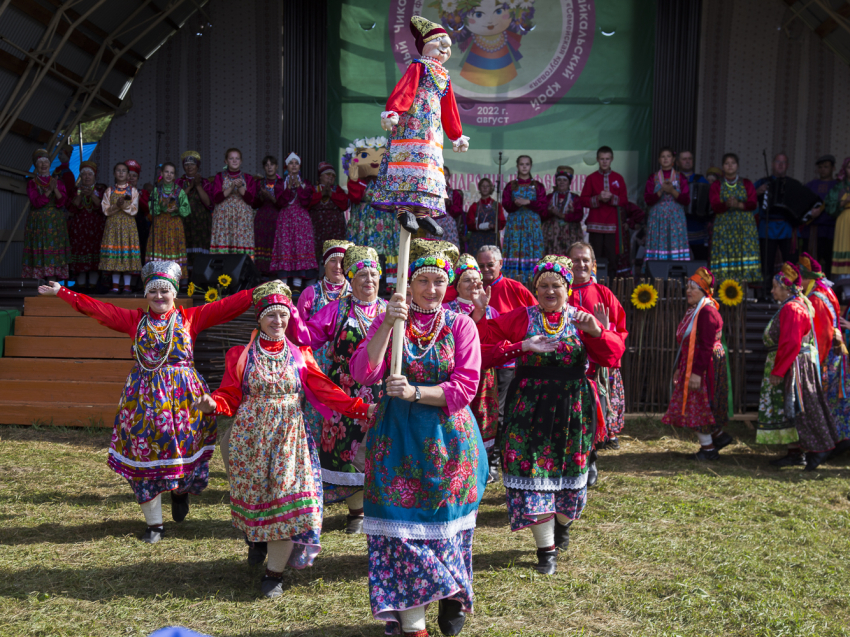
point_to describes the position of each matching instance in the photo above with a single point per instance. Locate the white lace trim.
(342, 478)
(161, 463)
(545, 484)
(414, 531)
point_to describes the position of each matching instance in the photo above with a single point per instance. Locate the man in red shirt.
(604, 193)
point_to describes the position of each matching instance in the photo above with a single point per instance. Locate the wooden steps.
(63, 368)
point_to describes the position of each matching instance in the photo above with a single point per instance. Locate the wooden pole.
(401, 288)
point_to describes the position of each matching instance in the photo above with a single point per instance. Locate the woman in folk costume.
(85, 226)
(421, 106)
(425, 459)
(268, 201)
(160, 443)
(294, 254)
(341, 326)
(793, 408)
(120, 251)
(197, 226)
(142, 216)
(481, 219)
(837, 204)
(551, 416)
(46, 246)
(328, 204)
(525, 199)
(668, 196)
(695, 390)
(831, 346)
(169, 206)
(275, 481)
(562, 225)
(232, 191)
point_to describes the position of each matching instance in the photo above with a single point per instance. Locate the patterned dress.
(265, 222)
(233, 217)
(368, 226)
(735, 242)
(85, 232)
(197, 226)
(46, 245)
(560, 234)
(797, 408)
(485, 405)
(340, 327)
(167, 241)
(120, 250)
(294, 253)
(837, 204)
(426, 471)
(159, 443)
(667, 230)
(524, 245)
(328, 217)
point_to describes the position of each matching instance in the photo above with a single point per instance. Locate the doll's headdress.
(424, 31)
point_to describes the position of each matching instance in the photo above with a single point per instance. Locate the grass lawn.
(665, 547)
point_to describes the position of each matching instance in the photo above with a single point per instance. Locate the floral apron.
(523, 237)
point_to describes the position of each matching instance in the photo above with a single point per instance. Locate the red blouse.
(587, 295)
(338, 197)
(538, 205)
(823, 327)
(794, 324)
(472, 214)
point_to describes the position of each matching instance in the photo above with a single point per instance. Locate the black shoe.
(179, 506)
(430, 226)
(814, 460)
(355, 524)
(547, 561)
(722, 440)
(704, 454)
(493, 475)
(592, 475)
(562, 535)
(840, 448)
(451, 617)
(153, 534)
(271, 586)
(613, 443)
(408, 221)
(790, 460)
(257, 553)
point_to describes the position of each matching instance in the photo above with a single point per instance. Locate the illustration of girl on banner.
(489, 33)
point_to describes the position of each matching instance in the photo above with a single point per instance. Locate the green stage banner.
(553, 79)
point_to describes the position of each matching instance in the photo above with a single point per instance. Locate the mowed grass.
(665, 547)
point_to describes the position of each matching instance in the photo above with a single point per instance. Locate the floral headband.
(555, 265)
(789, 276)
(365, 263)
(270, 302)
(432, 263)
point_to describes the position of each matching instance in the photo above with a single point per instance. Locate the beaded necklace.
(423, 341)
(161, 335)
(326, 293)
(265, 361)
(558, 329)
(364, 321)
(269, 184)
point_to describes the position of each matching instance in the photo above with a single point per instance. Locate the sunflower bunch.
(730, 293)
(645, 296)
(214, 294)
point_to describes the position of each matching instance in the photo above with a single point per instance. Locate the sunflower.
(211, 295)
(224, 281)
(645, 296)
(191, 289)
(730, 293)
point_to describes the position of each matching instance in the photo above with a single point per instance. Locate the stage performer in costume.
(368, 226)
(562, 221)
(425, 460)
(46, 245)
(197, 227)
(294, 255)
(837, 205)
(328, 204)
(275, 481)
(232, 191)
(120, 251)
(481, 219)
(832, 349)
(422, 105)
(525, 199)
(85, 225)
(341, 326)
(551, 416)
(668, 196)
(268, 202)
(159, 442)
(169, 206)
(696, 396)
(793, 408)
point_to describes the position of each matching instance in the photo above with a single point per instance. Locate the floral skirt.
(667, 233)
(232, 227)
(485, 407)
(157, 439)
(274, 490)
(265, 230)
(368, 226)
(524, 245)
(735, 247)
(405, 573)
(85, 232)
(559, 235)
(46, 246)
(294, 251)
(120, 250)
(840, 406)
(449, 227)
(328, 223)
(475, 240)
(616, 419)
(698, 414)
(524, 507)
(167, 242)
